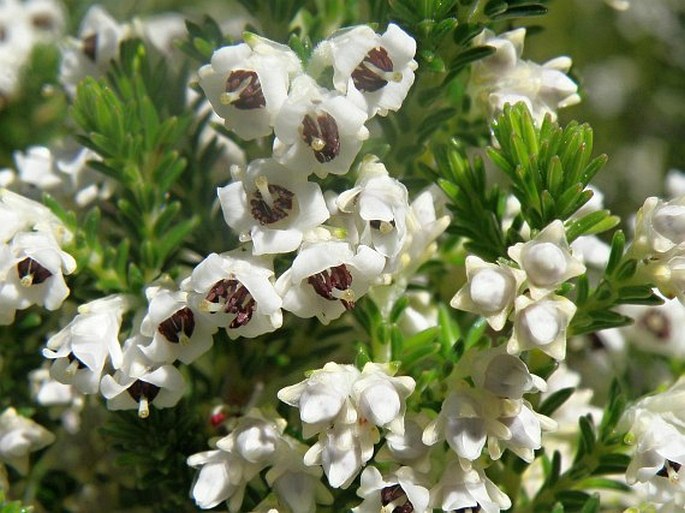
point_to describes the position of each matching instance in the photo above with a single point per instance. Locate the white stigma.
(26, 281)
(317, 144)
(262, 185)
(72, 368)
(343, 295)
(143, 408)
(227, 97)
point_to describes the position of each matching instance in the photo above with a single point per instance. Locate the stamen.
(243, 90)
(143, 393)
(656, 323)
(31, 272)
(270, 203)
(394, 500)
(231, 296)
(263, 187)
(469, 509)
(375, 71)
(90, 45)
(72, 368)
(178, 327)
(43, 21)
(670, 470)
(322, 136)
(334, 284)
(384, 227)
(143, 408)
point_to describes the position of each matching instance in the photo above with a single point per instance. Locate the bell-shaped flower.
(375, 71)
(380, 205)
(401, 491)
(657, 328)
(407, 448)
(317, 130)
(327, 278)
(248, 83)
(139, 382)
(503, 374)
(467, 490)
(660, 227)
(503, 78)
(92, 52)
(297, 485)
(21, 214)
(32, 269)
(526, 427)
(234, 290)
(83, 348)
(323, 397)
(273, 206)
(256, 438)
(541, 324)
(467, 418)
(343, 450)
(490, 291)
(18, 437)
(547, 260)
(380, 397)
(178, 332)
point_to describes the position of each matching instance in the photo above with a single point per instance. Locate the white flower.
(526, 427)
(503, 78)
(541, 324)
(547, 260)
(20, 214)
(91, 54)
(256, 438)
(400, 491)
(317, 130)
(380, 397)
(467, 491)
(660, 227)
(326, 278)
(323, 397)
(36, 166)
(375, 71)
(656, 428)
(490, 291)
(83, 348)
(178, 331)
(272, 206)
(235, 291)
(248, 83)
(19, 436)
(15, 45)
(657, 328)
(467, 418)
(138, 383)
(342, 451)
(46, 17)
(63, 401)
(407, 448)
(381, 205)
(161, 31)
(83, 183)
(31, 273)
(221, 477)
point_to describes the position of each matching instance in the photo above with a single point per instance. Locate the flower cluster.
(503, 78)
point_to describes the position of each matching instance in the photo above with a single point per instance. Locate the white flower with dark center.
(139, 383)
(318, 131)
(234, 290)
(91, 54)
(503, 78)
(84, 347)
(380, 205)
(541, 324)
(297, 485)
(178, 332)
(374, 71)
(272, 206)
(400, 492)
(467, 491)
(660, 227)
(657, 328)
(656, 429)
(248, 83)
(327, 278)
(504, 375)
(468, 417)
(323, 397)
(18, 436)
(46, 18)
(343, 450)
(490, 291)
(32, 269)
(547, 260)
(380, 397)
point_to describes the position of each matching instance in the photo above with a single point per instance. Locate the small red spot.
(217, 419)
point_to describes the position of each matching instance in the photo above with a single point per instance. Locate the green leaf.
(592, 504)
(468, 56)
(605, 484)
(398, 308)
(573, 499)
(522, 11)
(618, 243)
(615, 463)
(615, 407)
(555, 401)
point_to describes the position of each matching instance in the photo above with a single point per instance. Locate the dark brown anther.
(235, 298)
(43, 21)
(31, 272)
(470, 509)
(321, 135)
(142, 389)
(407, 507)
(391, 493)
(72, 358)
(3, 33)
(244, 91)
(377, 224)
(656, 323)
(366, 77)
(280, 207)
(338, 278)
(674, 467)
(182, 321)
(90, 45)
